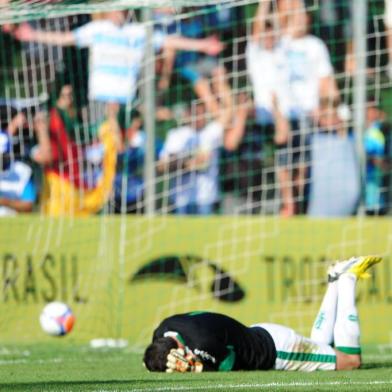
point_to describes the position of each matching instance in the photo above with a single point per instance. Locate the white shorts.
(295, 352)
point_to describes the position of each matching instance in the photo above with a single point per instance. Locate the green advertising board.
(122, 275)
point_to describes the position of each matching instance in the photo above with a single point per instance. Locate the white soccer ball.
(57, 319)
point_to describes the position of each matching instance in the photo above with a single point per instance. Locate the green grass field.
(77, 368)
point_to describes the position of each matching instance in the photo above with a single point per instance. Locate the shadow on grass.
(376, 365)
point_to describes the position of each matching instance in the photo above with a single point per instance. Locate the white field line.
(17, 361)
(29, 361)
(262, 386)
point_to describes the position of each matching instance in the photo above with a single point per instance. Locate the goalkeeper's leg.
(323, 326)
(346, 330)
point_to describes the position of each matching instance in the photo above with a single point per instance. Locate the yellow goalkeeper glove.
(179, 361)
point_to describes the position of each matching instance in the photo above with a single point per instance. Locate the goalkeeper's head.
(155, 356)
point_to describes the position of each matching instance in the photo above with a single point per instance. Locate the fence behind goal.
(268, 213)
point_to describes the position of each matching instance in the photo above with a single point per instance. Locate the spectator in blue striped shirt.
(117, 48)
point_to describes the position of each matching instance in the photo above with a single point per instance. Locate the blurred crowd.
(252, 112)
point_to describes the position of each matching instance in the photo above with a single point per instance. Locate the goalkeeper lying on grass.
(202, 341)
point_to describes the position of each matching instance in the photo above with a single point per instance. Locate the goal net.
(172, 156)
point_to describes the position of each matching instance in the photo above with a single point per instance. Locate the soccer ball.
(57, 319)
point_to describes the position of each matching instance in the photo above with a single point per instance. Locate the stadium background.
(247, 262)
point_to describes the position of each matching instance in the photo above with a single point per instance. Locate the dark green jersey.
(221, 342)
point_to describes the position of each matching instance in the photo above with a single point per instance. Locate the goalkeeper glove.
(180, 361)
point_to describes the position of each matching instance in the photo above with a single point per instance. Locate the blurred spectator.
(309, 70)
(270, 93)
(75, 149)
(203, 72)
(262, 60)
(36, 66)
(334, 26)
(376, 161)
(388, 27)
(306, 70)
(129, 180)
(116, 53)
(335, 186)
(70, 189)
(67, 153)
(165, 21)
(18, 191)
(191, 152)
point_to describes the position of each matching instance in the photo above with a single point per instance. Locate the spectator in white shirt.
(264, 73)
(191, 155)
(290, 71)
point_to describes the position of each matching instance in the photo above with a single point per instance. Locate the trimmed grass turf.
(77, 368)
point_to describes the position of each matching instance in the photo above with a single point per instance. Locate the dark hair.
(155, 356)
(55, 89)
